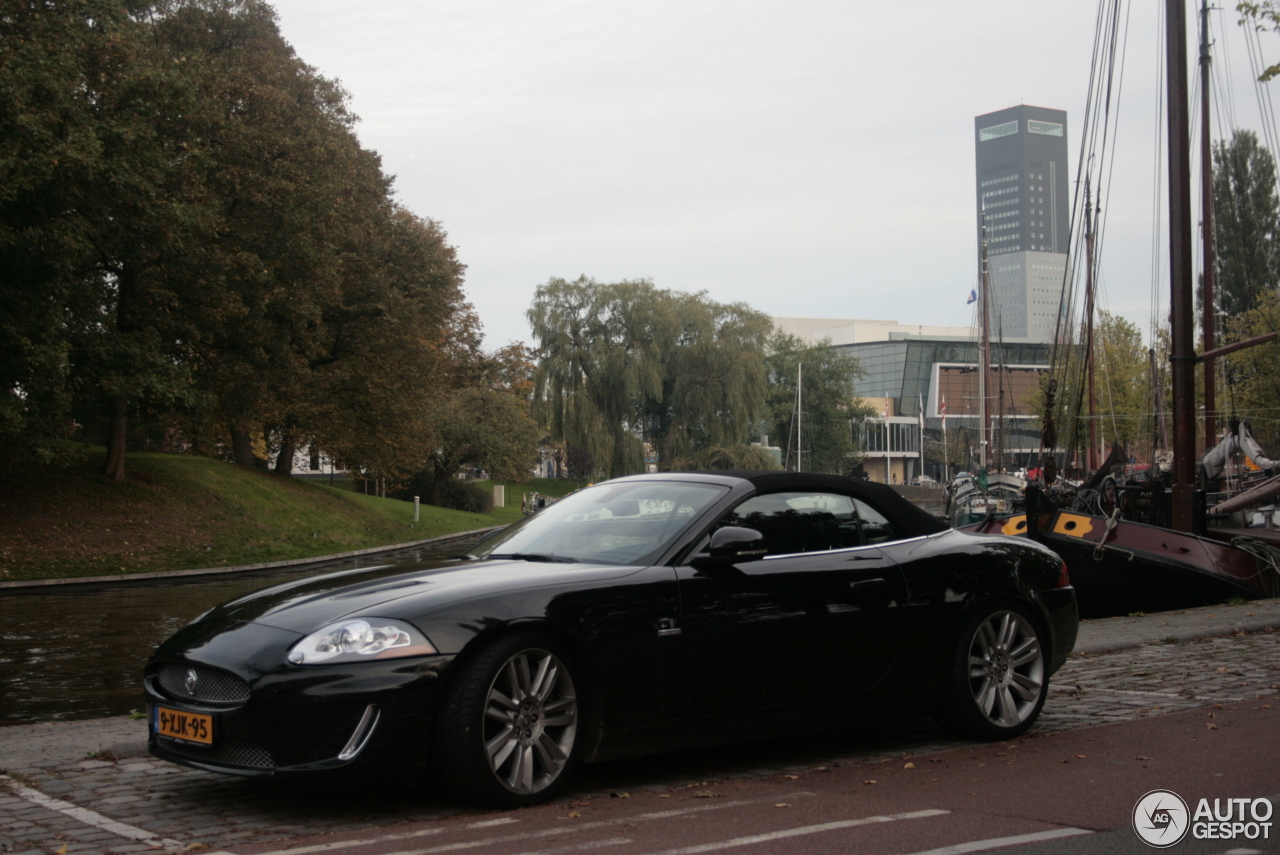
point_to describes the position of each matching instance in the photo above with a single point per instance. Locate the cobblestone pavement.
(52, 803)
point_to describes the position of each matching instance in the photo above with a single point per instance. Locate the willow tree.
(627, 364)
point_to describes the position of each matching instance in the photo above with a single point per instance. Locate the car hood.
(305, 605)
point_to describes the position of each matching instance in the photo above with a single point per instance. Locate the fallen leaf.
(1265, 707)
(62, 851)
(1079, 756)
(573, 814)
(706, 794)
(822, 769)
(197, 847)
(792, 777)
(1222, 670)
(869, 782)
(1140, 757)
(1210, 725)
(664, 795)
(620, 795)
(909, 766)
(782, 804)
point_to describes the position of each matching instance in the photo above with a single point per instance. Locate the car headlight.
(355, 639)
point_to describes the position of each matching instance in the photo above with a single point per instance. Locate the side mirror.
(732, 545)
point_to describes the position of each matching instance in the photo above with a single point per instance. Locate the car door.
(802, 626)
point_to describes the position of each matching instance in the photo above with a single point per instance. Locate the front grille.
(210, 686)
(225, 754)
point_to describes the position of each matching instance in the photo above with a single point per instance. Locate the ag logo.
(1161, 818)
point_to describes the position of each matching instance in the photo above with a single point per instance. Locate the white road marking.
(347, 844)
(799, 832)
(385, 838)
(578, 847)
(512, 838)
(997, 842)
(88, 817)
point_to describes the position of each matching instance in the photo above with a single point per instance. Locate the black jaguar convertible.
(640, 615)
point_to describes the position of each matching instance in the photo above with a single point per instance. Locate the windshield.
(624, 523)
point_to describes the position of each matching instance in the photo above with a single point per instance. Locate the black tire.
(509, 730)
(999, 674)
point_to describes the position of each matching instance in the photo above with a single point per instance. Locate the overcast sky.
(810, 158)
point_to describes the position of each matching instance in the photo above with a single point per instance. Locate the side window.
(875, 527)
(799, 522)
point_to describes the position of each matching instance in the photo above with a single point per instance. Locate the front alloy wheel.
(531, 721)
(507, 730)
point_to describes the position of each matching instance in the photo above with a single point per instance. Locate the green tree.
(832, 413)
(1123, 382)
(1264, 15)
(485, 429)
(190, 228)
(627, 363)
(96, 195)
(1246, 214)
(1254, 373)
(739, 457)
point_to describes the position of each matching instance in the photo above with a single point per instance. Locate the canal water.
(74, 652)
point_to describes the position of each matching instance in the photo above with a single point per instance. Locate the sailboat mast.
(1092, 456)
(1180, 287)
(1206, 227)
(984, 358)
(800, 417)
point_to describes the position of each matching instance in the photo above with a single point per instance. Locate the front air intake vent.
(226, 754)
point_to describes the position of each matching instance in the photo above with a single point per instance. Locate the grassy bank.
(177, 512)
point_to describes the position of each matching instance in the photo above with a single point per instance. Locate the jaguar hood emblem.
(190, 683)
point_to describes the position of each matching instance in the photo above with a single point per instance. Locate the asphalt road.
(1069, 792)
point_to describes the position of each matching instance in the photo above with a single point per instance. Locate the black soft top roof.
(914, 520)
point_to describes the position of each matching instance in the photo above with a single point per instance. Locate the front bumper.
(269, 716)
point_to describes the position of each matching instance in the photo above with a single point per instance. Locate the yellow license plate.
(189, 727)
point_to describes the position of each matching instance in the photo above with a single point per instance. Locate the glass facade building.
(1023, 194)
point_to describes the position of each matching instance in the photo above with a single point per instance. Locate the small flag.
(973, 296)
(944, 412)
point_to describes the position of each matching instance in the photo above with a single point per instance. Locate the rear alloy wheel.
(998, 678)
(511, 725)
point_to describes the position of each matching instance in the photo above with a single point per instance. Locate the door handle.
(667, 627)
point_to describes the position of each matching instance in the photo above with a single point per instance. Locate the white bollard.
(415, 508)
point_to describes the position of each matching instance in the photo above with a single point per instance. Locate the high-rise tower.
(1021, 156)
